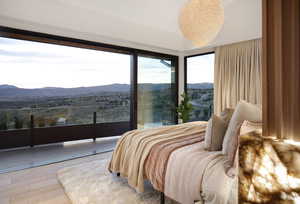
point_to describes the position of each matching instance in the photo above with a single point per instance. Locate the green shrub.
(185, 108)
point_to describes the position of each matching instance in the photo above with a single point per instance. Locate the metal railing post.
(31, 130)
(94, 125)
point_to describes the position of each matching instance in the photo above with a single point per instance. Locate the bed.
(174, 160)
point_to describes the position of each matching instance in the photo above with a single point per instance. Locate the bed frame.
(162, 198)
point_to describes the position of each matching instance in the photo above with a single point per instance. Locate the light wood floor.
(19, 159)
(38, 185)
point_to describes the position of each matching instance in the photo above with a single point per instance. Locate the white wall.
(24, 25)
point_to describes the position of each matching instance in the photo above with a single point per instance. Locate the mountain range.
(10, 92)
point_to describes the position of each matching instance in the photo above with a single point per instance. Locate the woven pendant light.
(201, 20)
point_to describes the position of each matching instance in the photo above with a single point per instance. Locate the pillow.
(227, 114)
(214, 134)
(216, 129)
(232, 170)
(250, 126)
(243, 111)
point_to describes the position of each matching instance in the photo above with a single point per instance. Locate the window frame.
(186, 66)
(174, 86)
(36, 136)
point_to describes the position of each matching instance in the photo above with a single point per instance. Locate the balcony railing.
(44, 135)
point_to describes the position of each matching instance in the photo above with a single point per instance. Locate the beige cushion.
(214, 134)
(243, 111)
(227, 114)
(250, 126)
(216, 129)
(231, 169)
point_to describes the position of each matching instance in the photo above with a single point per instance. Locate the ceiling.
(147, 22)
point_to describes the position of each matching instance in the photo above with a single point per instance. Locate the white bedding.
(195, 174)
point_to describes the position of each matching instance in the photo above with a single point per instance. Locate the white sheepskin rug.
(92, 183)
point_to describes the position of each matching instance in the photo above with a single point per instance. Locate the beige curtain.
(238, 74)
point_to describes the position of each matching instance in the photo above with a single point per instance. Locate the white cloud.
(29, 64)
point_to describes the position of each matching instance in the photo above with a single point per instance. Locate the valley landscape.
(52, 106)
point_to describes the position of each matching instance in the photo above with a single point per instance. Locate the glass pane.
(200, 78)
(61, 85)
(156, 92)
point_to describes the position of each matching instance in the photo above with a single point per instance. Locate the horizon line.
(49, 87)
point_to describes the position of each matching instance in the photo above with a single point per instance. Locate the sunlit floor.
(23, 158)
(38, 185)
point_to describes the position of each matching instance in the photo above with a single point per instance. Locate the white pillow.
(243, 111)
(250, 126)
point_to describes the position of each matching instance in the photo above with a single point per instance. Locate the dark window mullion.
(133, 91)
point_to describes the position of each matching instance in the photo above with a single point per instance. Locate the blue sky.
(29, 64)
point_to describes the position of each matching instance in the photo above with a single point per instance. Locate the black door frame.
(35, 136)
(185, 66)
(174, 85)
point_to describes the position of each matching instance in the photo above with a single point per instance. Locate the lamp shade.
(201, 20)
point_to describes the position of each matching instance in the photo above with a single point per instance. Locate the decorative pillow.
(249, 126)
(214, 134)
(216, 129)
(243, 111)
(232, 169)
(227, 114)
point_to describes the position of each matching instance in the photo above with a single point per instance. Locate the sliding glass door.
(53, 93)
(156, 92)
(61, 85)
(57, 89)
